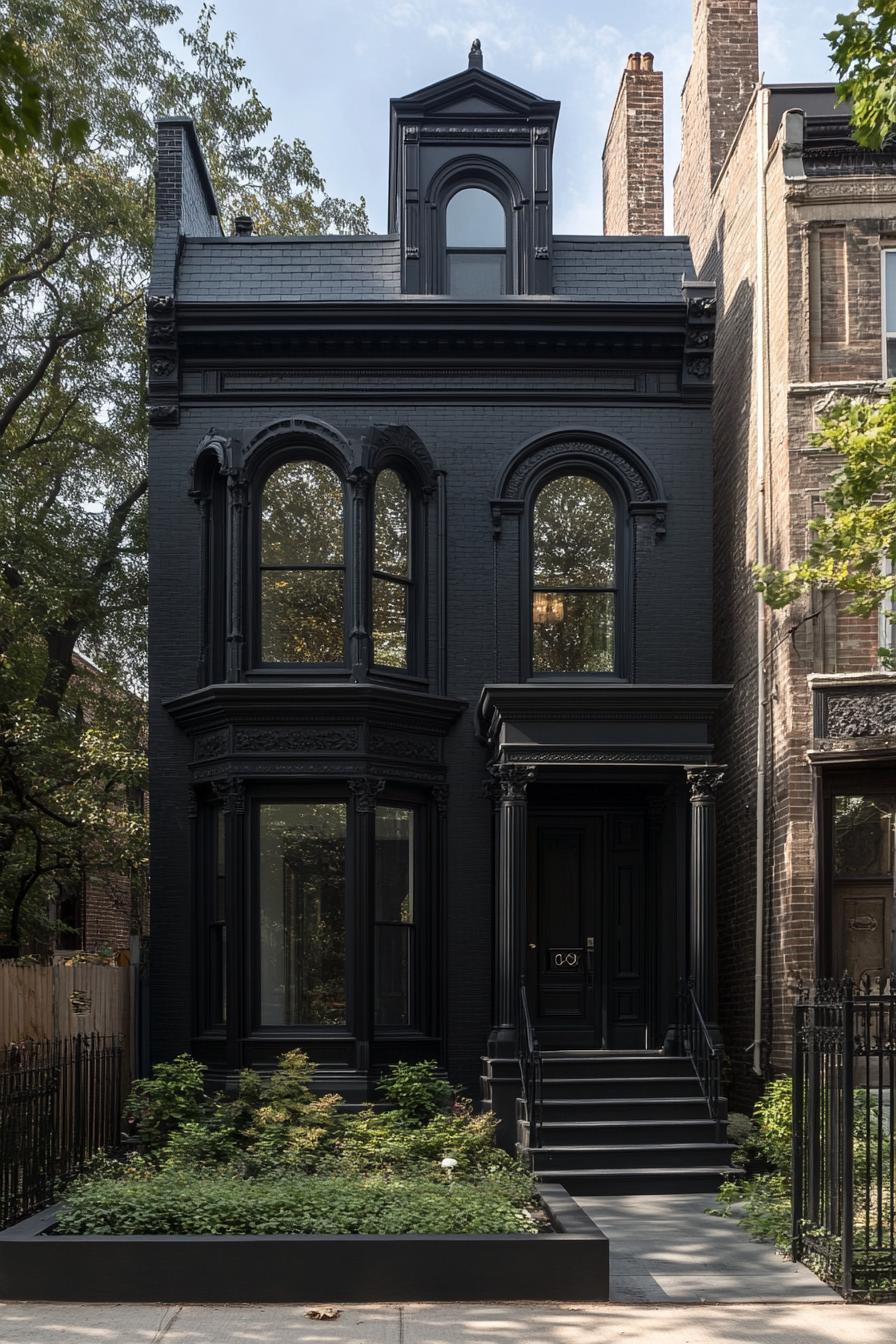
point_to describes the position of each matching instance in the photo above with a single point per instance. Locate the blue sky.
(328, 68)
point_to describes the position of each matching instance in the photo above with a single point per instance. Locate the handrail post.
(797, 1139)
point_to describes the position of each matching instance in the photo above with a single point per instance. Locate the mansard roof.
(595, 269)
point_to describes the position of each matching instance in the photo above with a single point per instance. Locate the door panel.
(862, 845)
(586, 942)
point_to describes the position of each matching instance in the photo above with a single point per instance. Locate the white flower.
(448, 1164)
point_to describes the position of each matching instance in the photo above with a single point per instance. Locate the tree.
(863, 52)
(857, 534)
(22, 104)
(76, 224)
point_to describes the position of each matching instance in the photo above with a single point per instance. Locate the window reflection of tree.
(573, 577)
(302, 899)
(395, 916)
(391, 583)
(864, 835)
(302, 565)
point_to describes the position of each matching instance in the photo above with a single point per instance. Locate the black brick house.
(430, 619)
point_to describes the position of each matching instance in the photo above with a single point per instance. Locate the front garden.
(277, 1159)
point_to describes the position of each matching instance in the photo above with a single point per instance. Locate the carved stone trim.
(512, 781)
(597, 756)
(162, 412)
(704, 781)
(210, 745)
(405, 748)
(365, 792)
(382, 441)
(867, 715)
(231, 793)
(440, 797)
(296, 739)
(159, 305)
(299, 427)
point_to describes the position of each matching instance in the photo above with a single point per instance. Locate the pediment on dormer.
(476, 93)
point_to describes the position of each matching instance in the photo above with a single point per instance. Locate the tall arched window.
(392, 562)
(303, 565)
(574, 586)
(476, 243)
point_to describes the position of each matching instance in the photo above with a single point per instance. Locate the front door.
(586, 964)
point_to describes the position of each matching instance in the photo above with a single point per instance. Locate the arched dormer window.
(574, 579)
(392, 575)
(302, 565)
(475, 245)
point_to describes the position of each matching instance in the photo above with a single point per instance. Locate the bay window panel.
(394, 916)
(390, 623)
(302, 865)
(302, 515)
(391, 552)
(302, 616)
(574, 535)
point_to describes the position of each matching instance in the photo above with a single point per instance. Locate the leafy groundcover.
(278, 1159)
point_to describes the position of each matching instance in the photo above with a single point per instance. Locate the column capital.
(512, 781)
(703, 781)
(365, 791)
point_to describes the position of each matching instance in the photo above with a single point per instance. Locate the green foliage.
(279, 1158)
(858, 530)
(863, 53)
(172, 1097)
(763, 1206)
(76, 228)
(186, 1204)
(740, 1131)
(773, 1117)
(416, 1091)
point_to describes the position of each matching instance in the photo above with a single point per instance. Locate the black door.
(587, 953)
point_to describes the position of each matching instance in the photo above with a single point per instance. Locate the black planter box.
(571, 1264)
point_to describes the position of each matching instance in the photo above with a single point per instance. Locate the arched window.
(476, 243)
(574, 586)
(392, 570)
(302, 557)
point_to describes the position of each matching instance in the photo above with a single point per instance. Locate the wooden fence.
(66, 999)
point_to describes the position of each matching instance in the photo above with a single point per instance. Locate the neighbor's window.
(888, 287)
(303, 565)
(476, 239)
(394, 917)
(301, 904)
(391, 581)
(573, 577)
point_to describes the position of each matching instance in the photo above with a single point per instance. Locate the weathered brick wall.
(633, 152)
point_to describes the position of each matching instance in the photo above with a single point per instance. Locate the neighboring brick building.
(797, 246)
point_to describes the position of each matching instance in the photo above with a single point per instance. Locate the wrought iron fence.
(844, 1125)
(60, 1103)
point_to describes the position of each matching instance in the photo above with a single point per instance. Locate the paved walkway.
(666, 1248)
(832, 1322)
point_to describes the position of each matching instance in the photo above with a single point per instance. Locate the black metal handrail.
(702, 1050)
(530, 1071)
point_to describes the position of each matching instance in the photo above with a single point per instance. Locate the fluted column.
(703, 783)
(512, 782)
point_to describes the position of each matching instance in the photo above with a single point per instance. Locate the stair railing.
(702, 1050)
(530, 1070)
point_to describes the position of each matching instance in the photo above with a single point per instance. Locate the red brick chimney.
(633, 151)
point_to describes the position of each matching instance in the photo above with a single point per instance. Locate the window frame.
(622, 615)
(420, 925)
(284, 457)
(410, 584)
(502, 252)
(481, 180)
(886, 335)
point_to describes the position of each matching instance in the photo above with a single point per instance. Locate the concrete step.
(560, 1133)
(661, 1180)
(583, 1063)
(606, 1086)
(578, 1109)
(629, 1156)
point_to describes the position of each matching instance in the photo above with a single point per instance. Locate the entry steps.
(625, 1123)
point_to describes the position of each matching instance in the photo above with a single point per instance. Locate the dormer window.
(476, 245)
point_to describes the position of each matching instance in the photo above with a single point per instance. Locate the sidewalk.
(832, 1322)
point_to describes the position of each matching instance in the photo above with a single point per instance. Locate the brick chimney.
(717, 91)
(633, 151)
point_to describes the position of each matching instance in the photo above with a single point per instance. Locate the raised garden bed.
(570, 1263)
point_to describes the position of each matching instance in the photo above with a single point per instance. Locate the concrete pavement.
(665, 1248)
(832, 1322)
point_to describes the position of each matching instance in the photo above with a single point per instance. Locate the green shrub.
(766, 1206)
(174, 1096)
(179, 1203)
(416, 1091)
(773, 1117)
(197, 1145)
